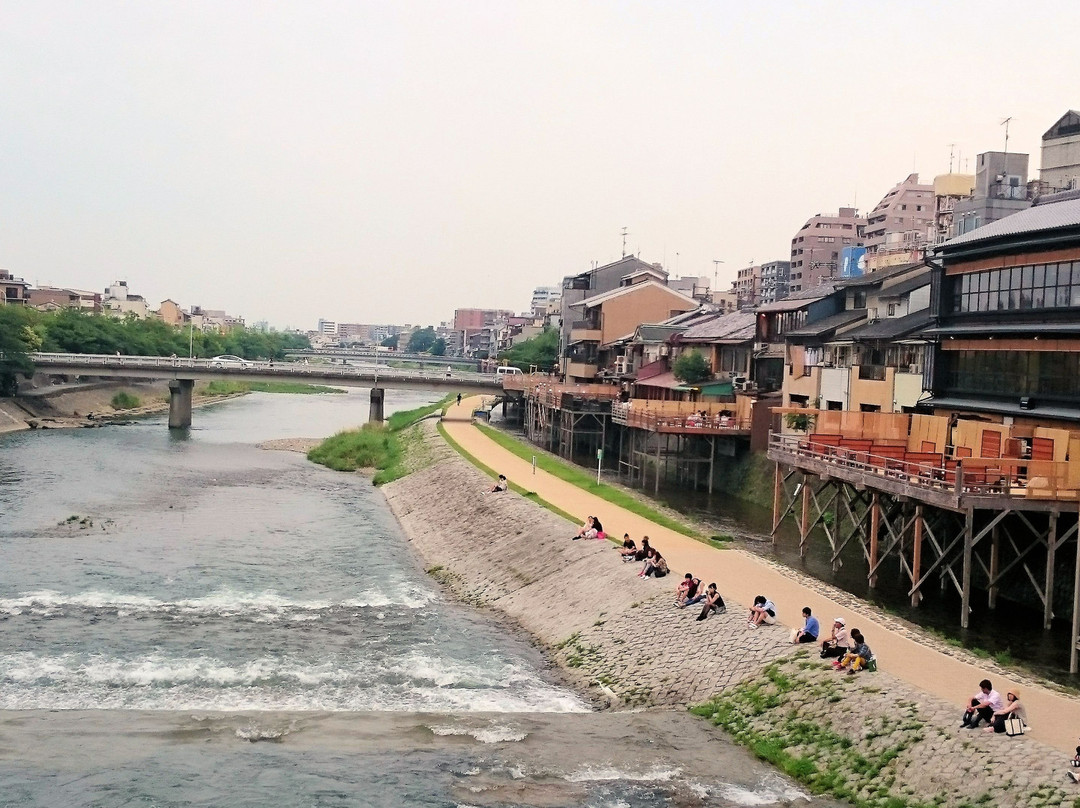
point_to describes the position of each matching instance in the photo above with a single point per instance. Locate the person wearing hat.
(1014, 708)
(837, 643)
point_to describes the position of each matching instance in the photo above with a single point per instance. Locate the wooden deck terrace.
(557, 394)
(712, 424)
(954, 483)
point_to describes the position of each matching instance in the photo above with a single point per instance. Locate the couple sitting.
(592, 529)
(690, 593)
(656, 565)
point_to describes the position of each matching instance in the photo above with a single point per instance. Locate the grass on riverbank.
(125, 401)
(583, 479)
(225, 388)
(382, 447)
(531, 495)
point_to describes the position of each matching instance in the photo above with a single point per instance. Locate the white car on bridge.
(229, 361)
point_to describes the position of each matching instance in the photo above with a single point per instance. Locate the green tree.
(691, 368)
(541, 351)
(18, 338)
(391, 341)
(421, 340)
(439, 348)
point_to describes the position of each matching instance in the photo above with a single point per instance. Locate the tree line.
(25, 330)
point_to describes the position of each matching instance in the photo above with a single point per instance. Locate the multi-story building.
(170, 312)
(543, 297)
(1061, 154)
(815, 249)
(901, 225)
(725, 301)
(775, 281)
(328, 328)
(748, 286)
(697, 287)
(48, 298)
(119, 301)
(475, 319)
(1008, 318)
(1001, 189)
(605, 319)
(948, 190)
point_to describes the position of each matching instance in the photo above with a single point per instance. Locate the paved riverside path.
(740, 575)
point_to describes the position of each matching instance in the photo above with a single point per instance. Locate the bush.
(125, 401)
(371, 446)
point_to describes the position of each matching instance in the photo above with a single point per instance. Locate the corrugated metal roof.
(734, 326)
(1056, 215)
(904, 286)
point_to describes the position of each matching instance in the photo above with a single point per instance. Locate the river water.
(187, 619)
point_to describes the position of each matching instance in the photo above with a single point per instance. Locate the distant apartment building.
(15, 289)
(948, 190)
(748, 285)
(695, 286)
(475, 319)
(901, 225)
(119, 301)
(1061, 154)
(725, 301)
(543, 297)
(816, 247)
(170, 312)
(1001, 189)
(775, 281)
(328, 328)
(50, 298)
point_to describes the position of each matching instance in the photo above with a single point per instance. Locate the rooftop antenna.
(1005, 123)
(624, 231)
(951, 147)
(716, 272)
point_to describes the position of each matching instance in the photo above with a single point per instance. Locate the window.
(891, 310)
(903, 207)
(860, 300)
(1036, 286)
(826, 239)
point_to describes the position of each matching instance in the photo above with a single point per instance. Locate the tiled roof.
(796, 300)
(1038, 218)
(831, 323)
(619, 291)
(734, 326)
(892, 327)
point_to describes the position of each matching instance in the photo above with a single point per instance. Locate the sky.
(388, 162)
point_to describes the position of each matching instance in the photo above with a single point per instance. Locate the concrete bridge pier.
(375, 414)
(180, 403)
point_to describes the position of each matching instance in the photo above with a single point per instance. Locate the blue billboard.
(852, 262)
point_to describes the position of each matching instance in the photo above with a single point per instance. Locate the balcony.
(581, 370)
(584, 331)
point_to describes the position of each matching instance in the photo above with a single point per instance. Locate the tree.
(421, 340)
(391, 341)
(439, 348)
(691, 368)
(17, 339)
(541, 351)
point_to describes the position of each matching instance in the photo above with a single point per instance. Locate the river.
(187, 619)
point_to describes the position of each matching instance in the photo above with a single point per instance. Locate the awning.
(717, 389)
(666, 381)
(1055, 411)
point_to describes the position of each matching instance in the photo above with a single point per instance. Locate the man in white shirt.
(982, 706)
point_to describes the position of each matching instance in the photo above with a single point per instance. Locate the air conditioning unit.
(665, 350)
(621, 365)
(745, 384)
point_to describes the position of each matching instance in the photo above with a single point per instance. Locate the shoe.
(752, 625)
(837, 666)
(575, 538)
(851, 672)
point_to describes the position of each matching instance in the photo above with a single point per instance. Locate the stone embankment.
(869, 738)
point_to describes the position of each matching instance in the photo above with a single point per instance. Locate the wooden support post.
(965, 590)
(656, 489)
(777, 500)
(1051, 552)
(995, 566)
(875, 527)
(712, 462)
(804, 519)
(916, 554)
(1076, 612)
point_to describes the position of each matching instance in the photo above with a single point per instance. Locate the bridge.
(182, 374)
(386, 356)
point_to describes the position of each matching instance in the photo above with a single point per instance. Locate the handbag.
(1014, 726)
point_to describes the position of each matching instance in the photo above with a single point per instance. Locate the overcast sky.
(392, 161)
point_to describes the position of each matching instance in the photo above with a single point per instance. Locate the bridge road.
(740, 575)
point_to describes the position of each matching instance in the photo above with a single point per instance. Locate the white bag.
(1014, 726)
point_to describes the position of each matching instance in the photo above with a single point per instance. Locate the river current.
(188, 619)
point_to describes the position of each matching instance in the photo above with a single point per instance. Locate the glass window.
(1003, 299)
(1051, 275)
(965, 283)
(1028, 275)
(1039, 274)
(992, 280)
(984, 301)
(1015, 273)
(1038, 299)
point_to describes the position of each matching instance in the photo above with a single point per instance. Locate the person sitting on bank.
(685, 590)
(858, 657)
(643, 551)
(655, 567)
(982, 706)
(837, 643)
(810, 630)
(1014, 708)
(500, 484)
(762, 612)
(698, 593)
(629, 550)
(592, 529)
(713, 603)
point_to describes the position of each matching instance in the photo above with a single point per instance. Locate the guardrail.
(967, 476)
(690, 423)
(92, 362)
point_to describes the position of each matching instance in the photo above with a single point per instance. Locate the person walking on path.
(459, 399)
(983, 705)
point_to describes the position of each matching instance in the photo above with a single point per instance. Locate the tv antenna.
(716, 273)
(624, 232)
(1005, 123)
(951, 147)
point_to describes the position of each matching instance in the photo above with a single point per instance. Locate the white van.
(506, 370)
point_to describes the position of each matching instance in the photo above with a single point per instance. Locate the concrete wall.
(871, 391)
(834, 386)
(649, 304)
(907, 389)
